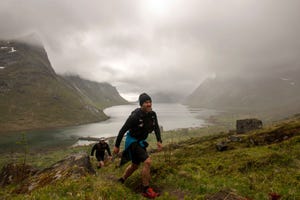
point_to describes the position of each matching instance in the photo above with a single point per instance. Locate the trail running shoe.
(149, 193)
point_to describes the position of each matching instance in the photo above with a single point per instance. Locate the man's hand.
(159, 146)
(116, 150)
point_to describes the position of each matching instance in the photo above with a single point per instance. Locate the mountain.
(33, 96)
(277, 93)
(101, 95)
(165, 97)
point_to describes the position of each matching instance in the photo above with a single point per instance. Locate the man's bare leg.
(146, 172)
(129, 170)
(101, 164)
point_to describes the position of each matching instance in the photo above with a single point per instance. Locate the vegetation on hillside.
(264, 161)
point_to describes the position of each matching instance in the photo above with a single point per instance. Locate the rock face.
(245, 125)
(14, 173)
(74, 166)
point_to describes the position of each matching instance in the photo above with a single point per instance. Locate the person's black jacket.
(100, 147)
(140, 124)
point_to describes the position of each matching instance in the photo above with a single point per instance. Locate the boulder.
(234, 138)
(13, 173)
(74, 166)
(222, 146)
(245, 125)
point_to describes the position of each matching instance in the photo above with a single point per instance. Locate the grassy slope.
(192, 168)
(53, 107)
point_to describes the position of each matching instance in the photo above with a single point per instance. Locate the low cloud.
(156, 45)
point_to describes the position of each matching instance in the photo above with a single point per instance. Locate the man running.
(100, 151)
(139, 124)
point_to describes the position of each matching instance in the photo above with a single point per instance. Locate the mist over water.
(170, 116)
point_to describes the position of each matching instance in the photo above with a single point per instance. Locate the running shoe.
(149, 193)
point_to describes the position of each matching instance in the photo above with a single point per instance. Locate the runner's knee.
(148, 161)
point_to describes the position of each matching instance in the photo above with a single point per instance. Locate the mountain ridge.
(33, 96)
(256, 94)
(107, 94)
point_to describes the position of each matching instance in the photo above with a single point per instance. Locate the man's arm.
(93, 149)
(157, 134)
(122, 131)
(157, 130)
(108, 149)
(127, 125)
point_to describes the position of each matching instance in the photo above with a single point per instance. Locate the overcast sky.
(159, 45)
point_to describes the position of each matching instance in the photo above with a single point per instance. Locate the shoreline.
(49, 128)
(69, 135)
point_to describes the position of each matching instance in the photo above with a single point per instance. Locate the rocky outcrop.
(278, 135)
(74, 166)
(13, 173)
(245, 125)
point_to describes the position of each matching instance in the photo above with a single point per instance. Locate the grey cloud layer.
(136, 48)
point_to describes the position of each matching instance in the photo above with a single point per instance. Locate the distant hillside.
(33, 96)
(101, 95)
(277, 93)
(165, 97)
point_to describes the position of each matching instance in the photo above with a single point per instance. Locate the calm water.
(170, 116)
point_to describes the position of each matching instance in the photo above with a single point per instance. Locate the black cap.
(143, 98)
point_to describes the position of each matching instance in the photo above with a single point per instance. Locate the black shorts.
(100, 156)
(138, 153)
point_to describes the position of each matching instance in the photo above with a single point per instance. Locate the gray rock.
(222, 146)
(13, 173)
(74, 166)
(245, 125)
(234, 138)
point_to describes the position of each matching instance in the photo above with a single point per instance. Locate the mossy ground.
(189, 167)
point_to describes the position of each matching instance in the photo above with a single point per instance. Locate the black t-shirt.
(140, 124)
(100, 147)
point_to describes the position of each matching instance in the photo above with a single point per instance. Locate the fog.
(167, 46)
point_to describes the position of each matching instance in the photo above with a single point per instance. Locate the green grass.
(189, 167)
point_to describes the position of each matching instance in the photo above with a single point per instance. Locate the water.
(170, 116)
